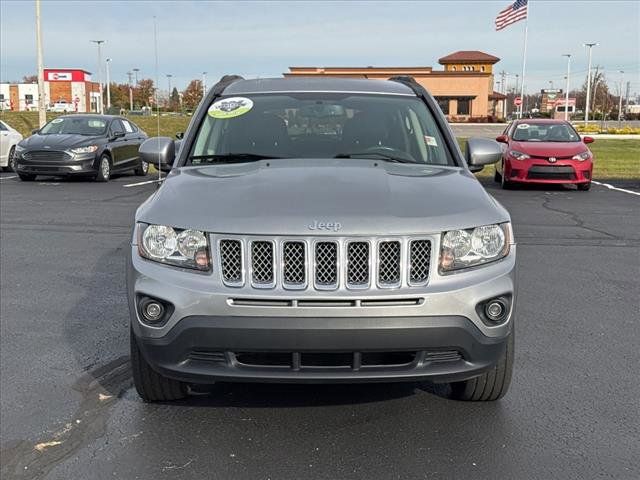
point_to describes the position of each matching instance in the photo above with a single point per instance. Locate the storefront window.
(444, 104)
(464, 106)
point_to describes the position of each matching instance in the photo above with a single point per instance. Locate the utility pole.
(620, 100)
(169, 80)
(626, 97)
(42, 113)
(108, 86)
(135, 72)
(566, 94)
(204, 84)
(130, 74)
(586, 108)
(100, 103)
(503, 75)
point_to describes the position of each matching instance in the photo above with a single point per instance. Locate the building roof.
(317, 83)
(497, 96)
(469, 56)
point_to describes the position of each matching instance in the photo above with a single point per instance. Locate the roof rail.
(224, 82)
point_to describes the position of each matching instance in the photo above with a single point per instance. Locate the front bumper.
(81, 165)
(543, 171)
(440, 338)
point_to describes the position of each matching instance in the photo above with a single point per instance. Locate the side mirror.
(502, 139)
(588, 139)
(158, 151)
(180, 135)
(482, 151)
(116, 135)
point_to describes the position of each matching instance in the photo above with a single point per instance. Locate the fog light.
(494, 310)
(153, 311)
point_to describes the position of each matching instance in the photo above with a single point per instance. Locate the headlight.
(518, 155)
(474, 246)
(181, 248)
(582, 156)
(89, 149)
(19, 149)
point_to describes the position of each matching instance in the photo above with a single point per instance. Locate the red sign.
(517, 101)
(64, 75)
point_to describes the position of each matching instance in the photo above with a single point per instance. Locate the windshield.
(75, 125)
(545, 132)
(319, 125)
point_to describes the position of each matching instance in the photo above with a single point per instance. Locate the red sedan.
(544, 151)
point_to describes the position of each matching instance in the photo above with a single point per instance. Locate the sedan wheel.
(11, 163)
(142, 169)
(104, 169)
(504, 183)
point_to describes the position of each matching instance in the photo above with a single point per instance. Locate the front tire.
(504, 183)
(142, 169)
(104, 169)
(11, 163)
(584, 186)
(497, 177)
(150, 385)
(26, 177)
(491, 385)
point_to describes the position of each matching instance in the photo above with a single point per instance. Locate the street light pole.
(100, 106)
(204, 83)
(620, 101)
(108, 86)
(135, 72)
(586, 108)
(169, 80)
(129, 74)
(42, 113)
(566, 94)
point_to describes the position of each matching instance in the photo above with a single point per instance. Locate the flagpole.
(524, 61)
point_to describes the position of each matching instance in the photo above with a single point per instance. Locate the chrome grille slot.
(358, 264)
(419, 261)
(46, 156)
(231, 262)
(326, 265)
(262, 264)
(294, 268)
(389, 254)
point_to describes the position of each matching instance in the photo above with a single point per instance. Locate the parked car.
(277, 253)
(9, 138)
(61, 106)
(544, 151)
(95, 146)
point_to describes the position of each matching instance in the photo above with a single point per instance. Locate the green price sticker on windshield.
(230, 107)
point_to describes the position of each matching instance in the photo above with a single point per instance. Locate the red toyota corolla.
(544, 151)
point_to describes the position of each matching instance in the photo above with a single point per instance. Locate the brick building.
(463, 88)
(61, 85)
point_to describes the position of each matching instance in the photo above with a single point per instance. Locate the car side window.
(3, 128)
(128, 127)
(116, 127)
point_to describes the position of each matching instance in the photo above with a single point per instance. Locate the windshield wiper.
(384, 156)
(233, 157)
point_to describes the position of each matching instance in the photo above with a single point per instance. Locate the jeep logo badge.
(328, 226)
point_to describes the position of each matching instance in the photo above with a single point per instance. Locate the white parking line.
(7, 178)
(611, 187)
(143, 183)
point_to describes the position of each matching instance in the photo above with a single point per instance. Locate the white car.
(9, 138)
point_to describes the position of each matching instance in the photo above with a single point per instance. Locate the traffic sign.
(517, 101)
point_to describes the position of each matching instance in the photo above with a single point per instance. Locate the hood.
(57, 141)
(549, 149)
(284, 197)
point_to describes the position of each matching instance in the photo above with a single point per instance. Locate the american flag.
(513, 13)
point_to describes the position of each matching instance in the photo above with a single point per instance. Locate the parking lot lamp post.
(169, 97)
(586, 107)
(204, 83)
(42, 113)
(135, 72)
(108, 86)
(566, 94)
(100, 107)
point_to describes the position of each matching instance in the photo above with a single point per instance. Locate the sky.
(262, 39)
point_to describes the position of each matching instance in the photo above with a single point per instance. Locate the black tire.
(504, 183)
(497, 177)
(27, 177)
(491, 385)
(11, 167)
(584, 186)
(150, 385)
(142, 169)
(104, 169)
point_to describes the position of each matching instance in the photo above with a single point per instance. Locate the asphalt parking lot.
(69, 411)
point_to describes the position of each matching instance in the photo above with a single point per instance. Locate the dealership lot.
(69, 410)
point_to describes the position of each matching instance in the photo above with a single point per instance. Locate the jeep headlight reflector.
(181, 248)
(474, 246)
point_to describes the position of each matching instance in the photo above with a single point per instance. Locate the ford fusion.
(321, 230)
(94, 146)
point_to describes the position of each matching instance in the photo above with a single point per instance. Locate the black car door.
(117, 144)
(134, 139)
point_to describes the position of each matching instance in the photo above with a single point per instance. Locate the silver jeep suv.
(321, 230)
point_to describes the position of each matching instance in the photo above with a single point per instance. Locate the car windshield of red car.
(545, 132)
